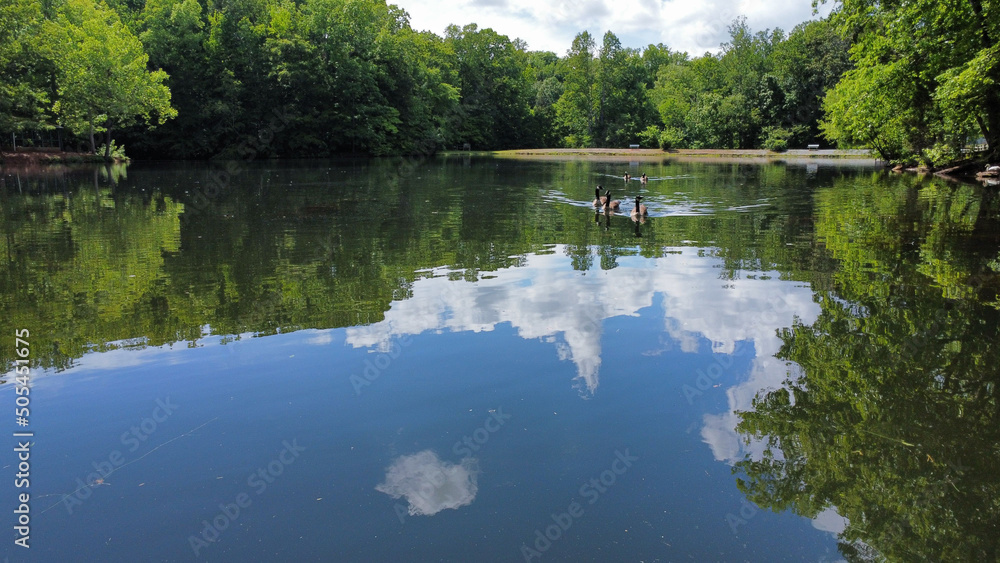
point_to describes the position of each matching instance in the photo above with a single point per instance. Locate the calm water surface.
(461, 360)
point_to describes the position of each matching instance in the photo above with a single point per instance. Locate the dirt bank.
(28, 157)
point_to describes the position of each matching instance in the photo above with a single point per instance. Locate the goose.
(627, 177)
(643, 179)
(612, 204)
(640, 209)
(599, 200)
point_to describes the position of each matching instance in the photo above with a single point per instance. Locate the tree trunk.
(93, 146)
(977, 9)
(993, 135)
(107, 142)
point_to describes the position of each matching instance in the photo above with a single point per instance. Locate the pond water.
(459, 359)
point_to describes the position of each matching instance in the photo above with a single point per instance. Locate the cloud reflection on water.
(545, 299)
(429, 484)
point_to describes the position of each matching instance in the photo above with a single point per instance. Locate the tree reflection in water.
(894, 420)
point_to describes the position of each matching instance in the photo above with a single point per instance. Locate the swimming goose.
(643, 179)
(599, 200)
(640, 209)
(612, 204)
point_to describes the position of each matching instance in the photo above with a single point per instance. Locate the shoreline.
(31, 157)
(967, 170)
(854, 154)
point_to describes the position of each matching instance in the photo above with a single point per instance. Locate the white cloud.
(429, 484)
(544, 299)
(694, 27)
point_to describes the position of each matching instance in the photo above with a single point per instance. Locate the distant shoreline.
(34, 157)
(856, 154)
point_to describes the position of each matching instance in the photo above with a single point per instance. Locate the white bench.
(813, 147)
(633, 146)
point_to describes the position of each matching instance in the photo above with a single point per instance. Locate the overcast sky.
(686, 25)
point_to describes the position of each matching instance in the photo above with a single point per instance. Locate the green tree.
(623, 106)
(24, 70)
(495, 91)
(174, 34)
(751, 96)
(864, 109)
(103, 80)
(546, 89)
(938, 63)
(805, 66)
(576, 108)
(656, 56)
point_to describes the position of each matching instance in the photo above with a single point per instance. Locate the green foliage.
(665, 138)
(103, 82)
(650, 136)
(776, 139)
(965, 88)
(924, 82)
(114, 151)
(862, 111)
(305, 78)
(671, 138)
(575, 109)
(622, 104)
(762, 82)
(605, 100)
(495, 99)
(807, 65)
(544, 129)
(24, 88)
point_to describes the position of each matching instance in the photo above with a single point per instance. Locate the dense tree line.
(257, 78)
(196, 79)
(763, 90)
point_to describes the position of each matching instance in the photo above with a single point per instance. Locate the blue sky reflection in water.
(332, 362)
(584, 365)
